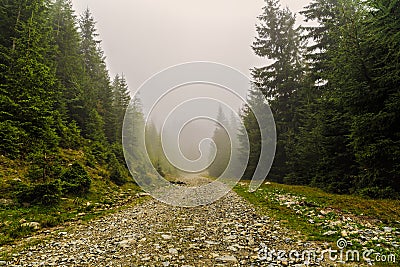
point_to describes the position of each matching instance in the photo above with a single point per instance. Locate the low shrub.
(76, 180)
(117, 172)
(46, 194)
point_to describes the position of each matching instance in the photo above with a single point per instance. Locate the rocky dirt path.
(226, 233)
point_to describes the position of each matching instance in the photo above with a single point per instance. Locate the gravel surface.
(225, 233)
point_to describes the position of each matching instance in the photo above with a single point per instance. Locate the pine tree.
(279, 40)
(97, 92)
(323, 14)
(28, 81)
(376, 129)
(155, 150)
(121, 100)
(133, 134)
(366, 78)
(304, 154)
(222, 145)
(321, 155)
(252, 133)
(68, 60)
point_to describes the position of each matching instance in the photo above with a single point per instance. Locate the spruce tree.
(28, 80)
(121, 100)
(97, 92)
(279, 41)
(68, 60)
(376, 130)
(366, 77)
(222, 145)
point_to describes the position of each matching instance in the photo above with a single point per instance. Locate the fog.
(142, 37)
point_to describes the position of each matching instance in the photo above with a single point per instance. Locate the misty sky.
(143, 37)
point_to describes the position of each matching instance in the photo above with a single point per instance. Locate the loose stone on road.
(225, 233)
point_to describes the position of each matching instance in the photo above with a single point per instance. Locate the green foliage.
(57, 106)
(117, 150)
(68, 61)
(11, 137)
(256, 101)
(27, 83)
(44, 166)
(99, 151)
(336, 102)
(70, 135)
(376, 125)
(121, 99)
(154, 149)
(278, 40)
(76, 180)
(46, 194)
(117, 172)
(378, 193)
(94, 127)
(105, 199)
(97, 96)
(117, 175)
(254, 135)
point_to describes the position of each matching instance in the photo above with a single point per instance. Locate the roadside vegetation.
(333, 87)
(81, 193)
(61, 116)
(315, 215)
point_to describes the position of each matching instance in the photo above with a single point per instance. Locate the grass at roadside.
(319, 216)
(19, 220)
(102, 199)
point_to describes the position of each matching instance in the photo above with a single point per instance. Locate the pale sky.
(143, 37)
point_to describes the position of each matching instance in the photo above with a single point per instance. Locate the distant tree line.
(56, 93)
(334, 89)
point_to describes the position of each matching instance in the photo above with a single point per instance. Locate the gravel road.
(225, 233)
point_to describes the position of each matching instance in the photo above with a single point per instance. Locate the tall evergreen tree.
(376, 128)
(53, 74)
(223, 146)
(97, 88)
(321, 154)
(366, 79)
(121, 100)
(27, 79)
(251, 131)
(323, 15)
(68, 60)
(279, 41)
